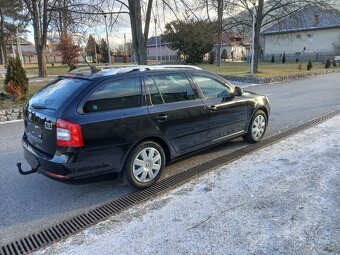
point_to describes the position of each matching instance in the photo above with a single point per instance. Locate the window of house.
(119, 94)
(168, 88)
(211, 88)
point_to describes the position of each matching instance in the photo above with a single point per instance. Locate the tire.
(257, 127)
(141, 170)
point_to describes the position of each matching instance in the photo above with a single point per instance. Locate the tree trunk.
(219, 31)
(257, 45)
(138, 38)
(65, 19)
(41, 60)
(147, 20)
(2, 40)
(40, 20)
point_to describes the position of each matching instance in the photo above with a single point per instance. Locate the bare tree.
(216, 12)
(13, 20)
(220, 6)
(41, 14)
(139, 38)
(76, 12)
(267, 13)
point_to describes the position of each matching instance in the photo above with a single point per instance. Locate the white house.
(310, 33)
(237, 47)
(157, 48)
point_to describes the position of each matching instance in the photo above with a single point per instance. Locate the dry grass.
(266, 69)
(51, 70)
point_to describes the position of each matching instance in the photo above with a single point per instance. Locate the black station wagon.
(133, 120)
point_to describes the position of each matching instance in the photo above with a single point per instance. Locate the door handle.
(162, 117)
(212, 108)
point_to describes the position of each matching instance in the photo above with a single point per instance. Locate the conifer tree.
(273, 59)
(284, 60)
(310, 65)
(16, 77)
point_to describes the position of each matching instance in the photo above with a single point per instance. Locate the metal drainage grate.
(75, 224)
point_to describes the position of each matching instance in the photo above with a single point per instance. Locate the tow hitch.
(33, 170)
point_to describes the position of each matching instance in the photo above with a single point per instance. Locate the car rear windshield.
(54, 95)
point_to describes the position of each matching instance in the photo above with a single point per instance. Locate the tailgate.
(40, 130)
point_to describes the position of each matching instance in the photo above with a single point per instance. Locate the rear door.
(113, 114)
(227, 114)
(40, 113)
(176, 111)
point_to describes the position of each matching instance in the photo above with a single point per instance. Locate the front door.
(227, 114)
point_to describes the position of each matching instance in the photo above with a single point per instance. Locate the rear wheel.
(257, 127)
(144, 165)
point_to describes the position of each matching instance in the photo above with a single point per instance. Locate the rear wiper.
(39, 106)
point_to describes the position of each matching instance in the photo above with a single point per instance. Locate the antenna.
(93, 68)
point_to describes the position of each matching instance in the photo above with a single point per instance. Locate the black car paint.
(109, 136)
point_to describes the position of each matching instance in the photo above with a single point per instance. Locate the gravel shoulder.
(284, 199)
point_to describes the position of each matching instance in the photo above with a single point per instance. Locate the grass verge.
(265, 69)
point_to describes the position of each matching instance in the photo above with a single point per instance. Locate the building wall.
(163, 51)
(307, 42)
(239, 51)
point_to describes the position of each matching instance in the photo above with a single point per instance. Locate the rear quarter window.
(54, 95)
(119, 94)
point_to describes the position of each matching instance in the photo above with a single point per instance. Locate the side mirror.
(226, 95)
(238, 91)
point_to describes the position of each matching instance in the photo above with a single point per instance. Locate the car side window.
(119, 94)
(156, 97)
(211, 88)
(168, 88)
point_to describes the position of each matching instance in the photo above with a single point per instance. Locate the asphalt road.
(28, 203)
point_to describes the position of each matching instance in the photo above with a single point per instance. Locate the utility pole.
(160, 47)
(19, 48)
(156, 41)
(125, 47)
(107, 39)
(95, 50)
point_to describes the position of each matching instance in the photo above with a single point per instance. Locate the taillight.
(69, 134)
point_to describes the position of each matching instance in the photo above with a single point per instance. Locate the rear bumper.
(62, 166)
(54, 167)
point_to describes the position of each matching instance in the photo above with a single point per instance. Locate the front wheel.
(257, 127)
(144, 165)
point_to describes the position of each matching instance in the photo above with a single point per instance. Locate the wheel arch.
(259, 108)
(264, 109)
(165, 146)
(162, 143)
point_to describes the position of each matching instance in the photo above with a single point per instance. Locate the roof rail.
(152, 67)
(112, 70)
